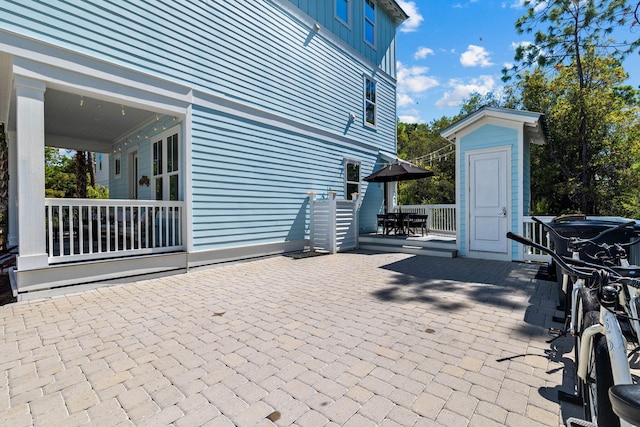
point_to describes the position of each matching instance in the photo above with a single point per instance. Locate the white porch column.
(30, 173)
(12, 238)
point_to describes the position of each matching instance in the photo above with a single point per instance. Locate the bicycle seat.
(625, 402)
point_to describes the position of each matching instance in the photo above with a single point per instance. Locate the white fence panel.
(334, 224)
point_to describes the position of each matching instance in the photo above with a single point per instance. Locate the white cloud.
(422, 52)
(403, 100)
(415, 18)
(519, 4)
(414, 79)
(475, 56)
(409, 119)
(515, 45)
(461, 90)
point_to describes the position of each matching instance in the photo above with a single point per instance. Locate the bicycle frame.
(616, 345)
(633, 297)
(608, 326)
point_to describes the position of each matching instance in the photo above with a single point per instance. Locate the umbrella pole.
(384, 199)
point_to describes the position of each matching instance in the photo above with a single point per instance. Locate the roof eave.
(530, 119)
(394, 10)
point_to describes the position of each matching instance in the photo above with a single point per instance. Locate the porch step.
(409, 249)
(429, 245)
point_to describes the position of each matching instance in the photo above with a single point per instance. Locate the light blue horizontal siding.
(383, 54)
(252, 52)
(250, 180)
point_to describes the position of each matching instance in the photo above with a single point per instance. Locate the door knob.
(504, 212)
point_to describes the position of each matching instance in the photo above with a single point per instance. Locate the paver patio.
(354, 339)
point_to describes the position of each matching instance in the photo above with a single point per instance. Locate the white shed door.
(488, 201)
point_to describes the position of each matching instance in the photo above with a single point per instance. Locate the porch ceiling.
(79, 122)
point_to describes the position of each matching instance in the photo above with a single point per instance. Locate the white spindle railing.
(537, 234)
(442, 218)
(83, 229)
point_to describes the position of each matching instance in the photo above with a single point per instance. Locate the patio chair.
(387, 222)
(418, 222)
(381, 223)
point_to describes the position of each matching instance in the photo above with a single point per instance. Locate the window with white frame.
(352, 178)
(166, 166)
(370, 22)
(343, 12)
(370, 101)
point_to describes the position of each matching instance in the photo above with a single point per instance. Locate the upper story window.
(370, 22)
(370, 101)
(342, 11)
(352, 178)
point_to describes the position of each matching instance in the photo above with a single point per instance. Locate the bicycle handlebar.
(576, 241)
(563, 262)
(560, 260)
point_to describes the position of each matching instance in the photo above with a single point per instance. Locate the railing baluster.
(80, 229)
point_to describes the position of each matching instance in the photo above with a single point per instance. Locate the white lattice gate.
(334, 224)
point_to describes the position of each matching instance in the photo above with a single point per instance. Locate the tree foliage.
(423, 145)
(61, 177)
(576, 34)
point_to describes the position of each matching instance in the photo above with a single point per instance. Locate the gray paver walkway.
(354, 339)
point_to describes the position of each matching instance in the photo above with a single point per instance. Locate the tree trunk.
(585, 179)
(92, 169)
(81, 174)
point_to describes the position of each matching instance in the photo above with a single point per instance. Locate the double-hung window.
(166, 166)
(343, 12)
(370, 22)
(370, 101)
(352, 178)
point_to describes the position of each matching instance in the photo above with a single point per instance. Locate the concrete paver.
(357, 338)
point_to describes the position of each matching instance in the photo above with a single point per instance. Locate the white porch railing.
(85, 229)
(333, 223)
(536, 233)
(442, 218)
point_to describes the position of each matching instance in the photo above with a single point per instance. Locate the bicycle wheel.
(586, 302)
(599, 379)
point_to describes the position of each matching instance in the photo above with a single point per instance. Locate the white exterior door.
(488, 201)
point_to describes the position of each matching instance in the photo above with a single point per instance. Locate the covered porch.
(137, 124)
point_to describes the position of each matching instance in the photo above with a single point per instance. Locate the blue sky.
(450, 49)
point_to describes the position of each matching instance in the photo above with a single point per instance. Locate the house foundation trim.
(58, 279)
(218, 256)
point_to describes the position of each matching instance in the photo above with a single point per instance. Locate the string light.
(81, 100)
(122, 107)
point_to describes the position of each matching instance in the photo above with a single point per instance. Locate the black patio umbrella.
(398, 171)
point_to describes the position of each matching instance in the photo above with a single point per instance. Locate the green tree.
(423, 145)
(59, 174)
(611, 127)
(64, 176)
(575, 30)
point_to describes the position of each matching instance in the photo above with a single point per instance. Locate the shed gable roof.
(535, 124)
